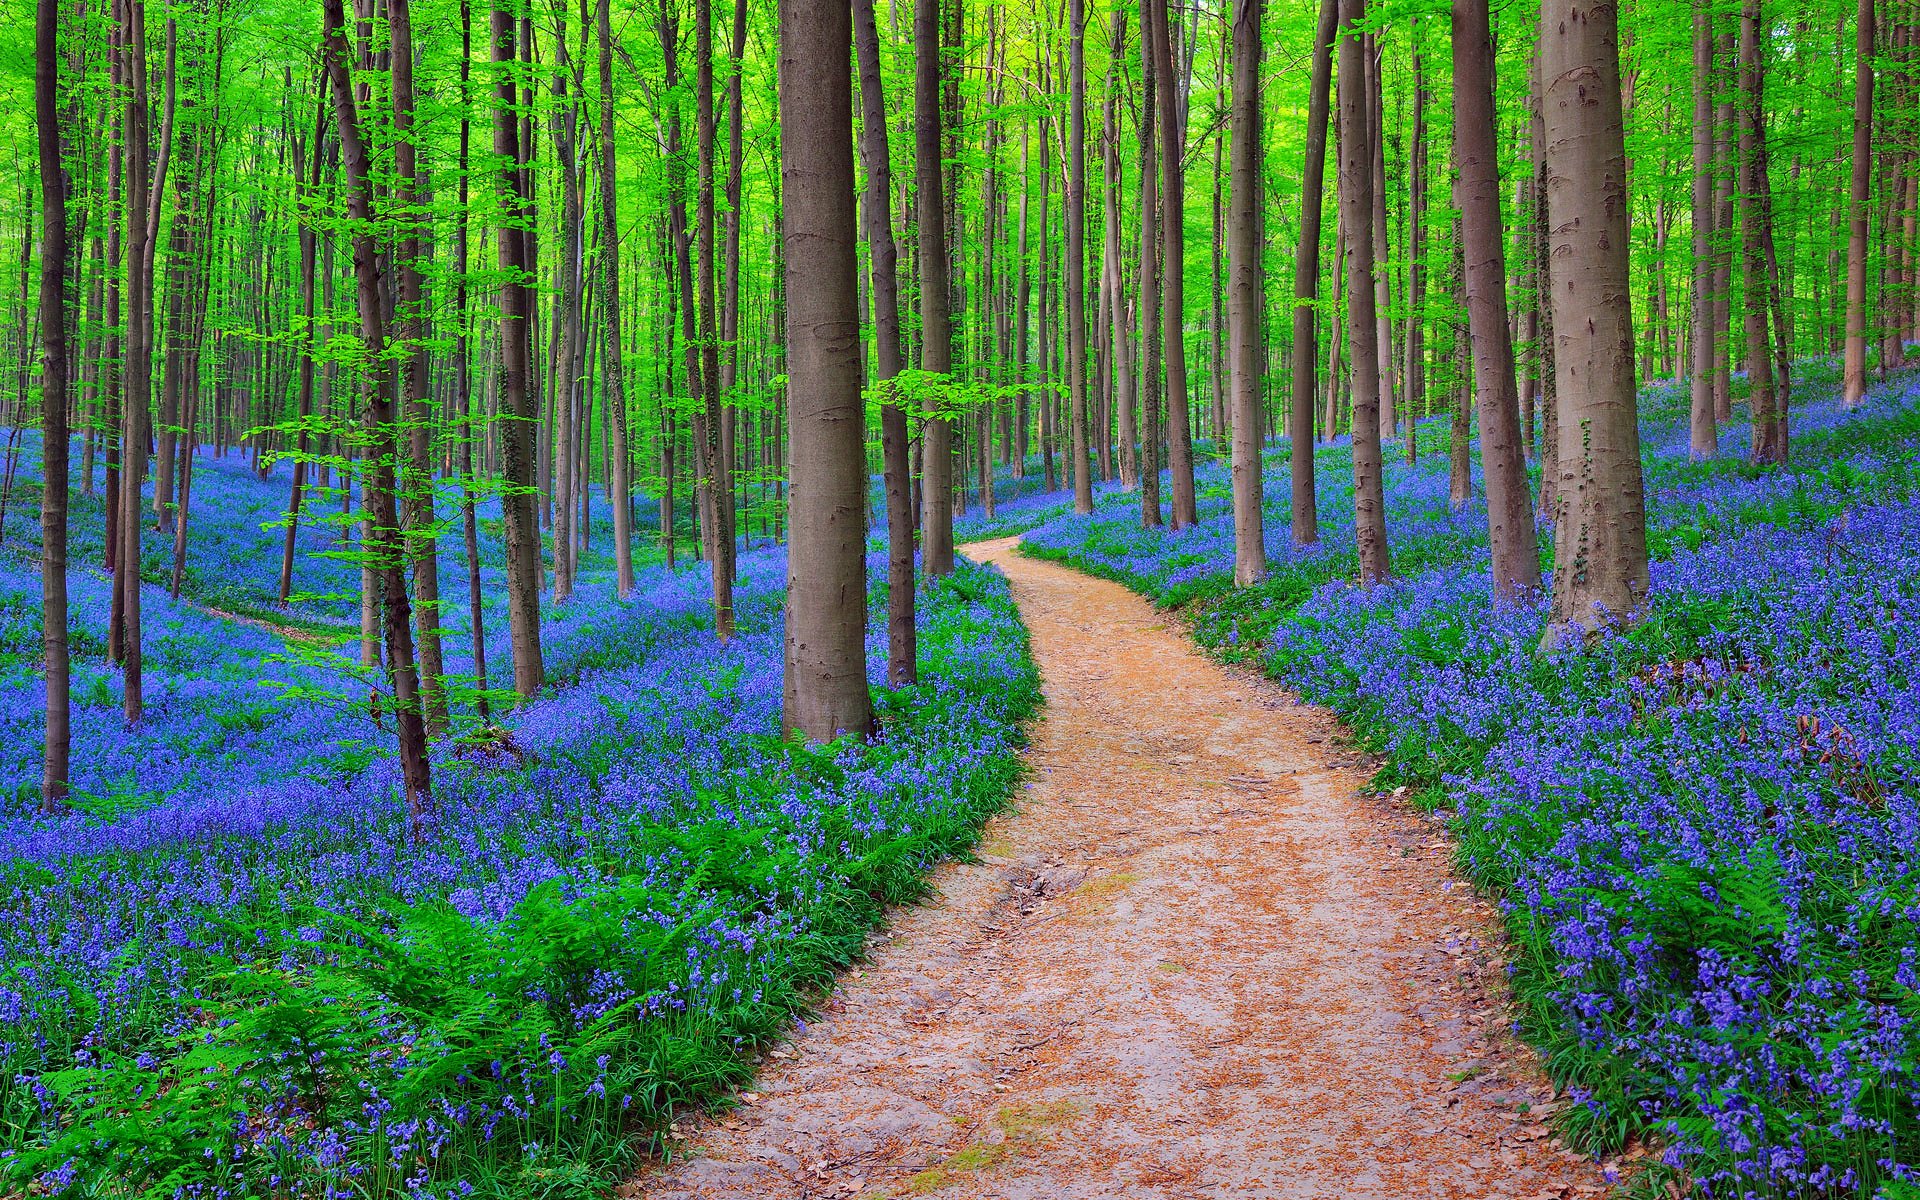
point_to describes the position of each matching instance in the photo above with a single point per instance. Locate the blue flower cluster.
(235, 970)
(1704, 828)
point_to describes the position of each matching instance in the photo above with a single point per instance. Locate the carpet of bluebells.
(235, 971)
(1704, 828)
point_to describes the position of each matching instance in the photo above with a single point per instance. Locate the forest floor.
(1198, 960)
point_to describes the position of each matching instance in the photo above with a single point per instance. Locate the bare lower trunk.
(826, 670)
(1173, 235)
(1306, 283)
(936, 332)
(1853, 386)
(1076, 214)
(388, 551)
(517, 403)
(1600, 553)
(1150, 328)
(1356, 208)
(1703, 425)
(902, 651)
(1244, 297)
(620, 469)
(1516, 557)
(54, 437)
(1119, 349)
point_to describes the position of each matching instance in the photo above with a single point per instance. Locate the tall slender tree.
(1853, 372)
(1363, 334)
(1244, 295)
(1173, 233)
(387, 550)
(518, 408)
(902, 650)
(936, 330)
(615, 347)
(54, 437)
(1516, 558)
(1769, 417)
(1703, 424)
(1599, 516)
(1306, 281)
(1076, 206)
(826, 671)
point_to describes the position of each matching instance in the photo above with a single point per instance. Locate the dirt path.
(1196, 962)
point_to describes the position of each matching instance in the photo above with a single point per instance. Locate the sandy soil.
(1194, 962)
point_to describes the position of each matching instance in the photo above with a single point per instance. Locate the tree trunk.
(1413, 344)
(1723, 236)
(137, 371)
(388, 549)
(1600, 552)
(1363, 333)
(463, 375)
(1516, 555)
(1769, 415)
(54, 437)
(1023, 299)
(902, 650)
(1076, 206)
(1853, 387)
(519, 408)
(621, 468)
(1703, 424)
(309, 266)
(1119, 349)
(826, 670)
(1173, 234)
(1149, 281)
(1306, 283)
(1245, 296)
(936, 333)
(718, 465)
(410, 313)
(1376, 112)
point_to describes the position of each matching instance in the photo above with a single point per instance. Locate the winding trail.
(1195, 962)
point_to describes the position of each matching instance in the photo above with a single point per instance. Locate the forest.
(870, 598)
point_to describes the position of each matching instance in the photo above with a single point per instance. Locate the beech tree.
(936, 333)
(826, 670)
(1245, 292)
(1516, 559)
(54, 438)
(1599, 517)
(902, 666)
(1363, 333)
(1306, 281)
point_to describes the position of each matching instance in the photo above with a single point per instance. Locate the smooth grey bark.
(1306, 283)
(54, 436)
(1702, 426)
(1756, 215)
(1173, 234)
(614, 356)
(1119, 348)
(1363, 333)
(825, 689)
(415, 471)
(1599, 515)
(518, 407)
(1853, 372)
(388, 550)
(902, 648)
(936, 330)
(1149, 302)
(1076, 274)
(1245, 295)
(1516, 556)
